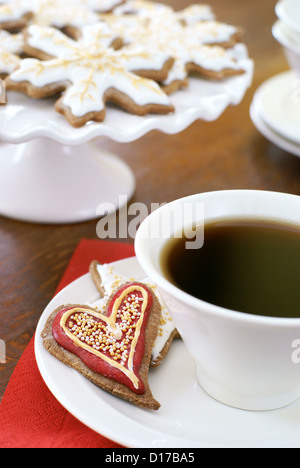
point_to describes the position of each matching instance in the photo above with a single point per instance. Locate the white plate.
(23, 119)
(188, 417)
(278, 103)
(270, 134)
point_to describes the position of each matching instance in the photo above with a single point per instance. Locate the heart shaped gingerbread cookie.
(112, 349)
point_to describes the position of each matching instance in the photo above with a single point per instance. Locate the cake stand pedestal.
(53, 173)
(47, 182)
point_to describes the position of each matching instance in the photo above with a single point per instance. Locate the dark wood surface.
(226, 154)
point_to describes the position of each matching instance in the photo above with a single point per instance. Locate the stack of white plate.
(275, 109)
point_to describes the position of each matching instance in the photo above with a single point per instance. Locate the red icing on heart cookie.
(112, 344)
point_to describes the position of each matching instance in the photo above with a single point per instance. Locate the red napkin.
(30, 417)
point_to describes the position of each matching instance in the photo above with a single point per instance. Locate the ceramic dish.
(270, 135)
(278, 103)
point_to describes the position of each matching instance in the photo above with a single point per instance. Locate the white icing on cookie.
(12, 42)
(195, 13)
(111, 280)
(11, 46)
(212, 32)
(13, 10)
(143, 8)
(214, 59)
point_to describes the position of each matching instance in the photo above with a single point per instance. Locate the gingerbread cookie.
(195, 46)
(191, 55)
(216, 33)
(108, 280)
(112, 350)
(89, 74)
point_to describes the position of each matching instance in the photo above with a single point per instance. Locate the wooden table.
(226, 154)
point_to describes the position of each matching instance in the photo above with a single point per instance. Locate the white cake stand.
(52, 173)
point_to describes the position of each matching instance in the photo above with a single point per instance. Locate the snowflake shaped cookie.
(199, 46)
(89, 74)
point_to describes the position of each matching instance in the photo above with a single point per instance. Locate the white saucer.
(278, 103)
(188, 417)
(270, 134)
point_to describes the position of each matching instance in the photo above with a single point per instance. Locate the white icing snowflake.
(11, 46)
(192, 45)
(91, 72)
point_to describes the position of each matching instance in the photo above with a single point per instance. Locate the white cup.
(287, 31)
(245, 361)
